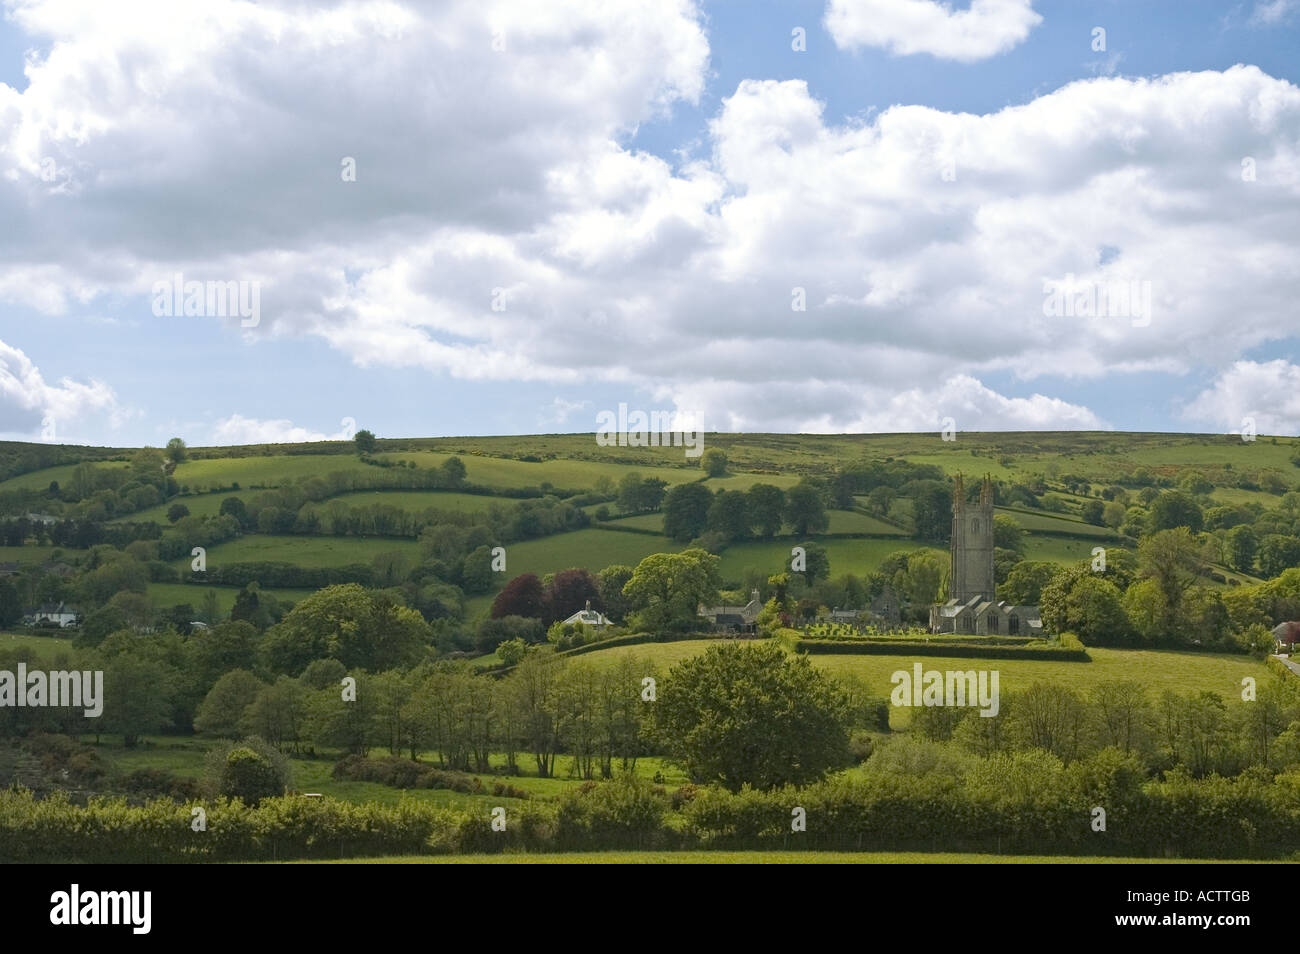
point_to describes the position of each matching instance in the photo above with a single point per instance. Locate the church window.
(1013, 624)
(975, 526)
(993, 623)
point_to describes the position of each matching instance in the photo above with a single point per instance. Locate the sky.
(242, 222)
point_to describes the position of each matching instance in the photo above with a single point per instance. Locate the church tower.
(972, 544)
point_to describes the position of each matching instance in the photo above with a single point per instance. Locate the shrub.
(250, 770)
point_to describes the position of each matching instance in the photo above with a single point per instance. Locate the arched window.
(974, 526)
(1013, 624)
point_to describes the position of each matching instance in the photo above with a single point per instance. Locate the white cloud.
(984, 29)
(57, 412)
(217, 154)
(559, 411)
(1267, 391)
(238, 429)
(1273, 12)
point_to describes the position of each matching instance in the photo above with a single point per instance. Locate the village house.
(883, 611)
(60, 614)
(735, 619)
(1284, 636)
(589, 617)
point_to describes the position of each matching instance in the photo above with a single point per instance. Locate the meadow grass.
(860, 557)
(46, 648)
(1055, 523)
(764, 858)
(592, 548)
(30, 556)
(174, 594)
(851, 521)
(186, 758)
(1156, 670)
(303, 550)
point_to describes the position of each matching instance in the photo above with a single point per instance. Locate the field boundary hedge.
(636, 639)
(964, 650)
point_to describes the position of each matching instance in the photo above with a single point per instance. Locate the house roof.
(57, 608)
(748, 613)
(589, 617)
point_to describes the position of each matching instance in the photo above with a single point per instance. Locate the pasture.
(174, 594)
(592, 548)
(1156, 670)
(764, 858)
(303, 550)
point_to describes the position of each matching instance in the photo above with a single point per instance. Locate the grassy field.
(850, 521)
(765, 858)
(46, 648)
(847, 556)
(185, 758)
(1059, 549)
(33, 554)
(1157, 670)
(173, 594)
(593, 548)
(1056, 523)
(303, 550)
(1101, 456)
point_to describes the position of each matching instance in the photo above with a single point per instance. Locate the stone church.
(973, 607)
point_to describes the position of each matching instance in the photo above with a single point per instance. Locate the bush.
(627, 812)
(250, 770)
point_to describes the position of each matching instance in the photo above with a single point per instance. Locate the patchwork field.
(846, 556)
(303, 550)
(592, 548)
(174, 594)
(33, 554)
(766, 858)
(46, 648)
(1157, 670)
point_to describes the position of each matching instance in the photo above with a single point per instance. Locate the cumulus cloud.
(1268, 392)
(984, 29)
(1273, 12)
(29, 405)
(559, 411)
(829, 275)
(238, 429)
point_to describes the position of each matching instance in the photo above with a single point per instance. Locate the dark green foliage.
(752, 715)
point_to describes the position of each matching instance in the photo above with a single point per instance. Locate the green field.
(303, 550)
(847, 556)
(593, 548)
(185, 758)
(34, 554)
(851, 521)
(1055, 523)
(1157, 670)
(174, 594)
(766, 858)
(1059, 549)
(45, 647)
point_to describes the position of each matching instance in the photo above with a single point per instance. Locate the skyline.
(567, 213)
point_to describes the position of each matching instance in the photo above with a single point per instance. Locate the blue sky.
(641, 187)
